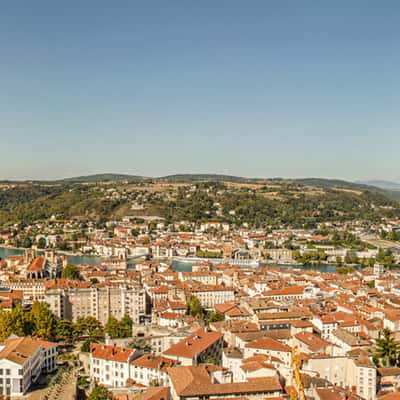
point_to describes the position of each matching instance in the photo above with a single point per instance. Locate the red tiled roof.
(113, 353)
(37, 264)
(154, 362)
(195, 382)
(270, 344)
(196, 343)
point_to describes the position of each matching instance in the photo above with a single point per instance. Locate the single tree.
(100, 393)
(5, 325)
(26, 242)
(194, 307)
(215, 317)
(86, 345)
(42, 243)
(387, 349)
(43, 320)
(126, 324)
(88, 326)
(19, 322)
(112, 328)
(65, 329)
(70, 272)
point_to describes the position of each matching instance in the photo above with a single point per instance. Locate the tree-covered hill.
(271, 203)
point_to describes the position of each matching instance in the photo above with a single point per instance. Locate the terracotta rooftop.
(154, 362)
(18, 350)
(37, 264)
(270, 344)
(112, 353)
(195, 381)
(196, 343)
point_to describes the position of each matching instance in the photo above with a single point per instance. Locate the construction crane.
(297, 388)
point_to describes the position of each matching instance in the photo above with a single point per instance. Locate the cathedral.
(46, 265)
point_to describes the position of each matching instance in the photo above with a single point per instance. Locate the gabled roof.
(112, 353)
(196, 382)
(196, 343)
(312, 341)
(18, 350)
(269, 344)
(152, 361)
(37, 264)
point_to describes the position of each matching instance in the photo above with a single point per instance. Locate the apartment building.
(358, 373)
(98, 301)
(210, 295)
(32, 290)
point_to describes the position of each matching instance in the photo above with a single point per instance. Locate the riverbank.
(73, 258)
(177, 265)
(216, 261)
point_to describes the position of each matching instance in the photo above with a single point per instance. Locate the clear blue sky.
(251, 88)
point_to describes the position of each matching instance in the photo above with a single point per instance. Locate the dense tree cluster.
(393, 235)
(310, 257)
(65, 201)
(281, 204)
(289, 207)
(39, 321)
(119, 329)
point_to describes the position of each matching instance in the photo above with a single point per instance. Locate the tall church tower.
(29, 256)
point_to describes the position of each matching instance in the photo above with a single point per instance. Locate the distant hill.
(107, 177)
(330, 183)
(387, 188)
(207, 177)
(337, 183)
(268, 204)
(382, 184)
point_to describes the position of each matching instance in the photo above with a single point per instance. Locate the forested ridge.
(277, 204)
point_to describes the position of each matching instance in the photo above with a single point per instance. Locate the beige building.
(358, 374)
(33, 290)
(210, 295)
(100, 302)
(280, 255)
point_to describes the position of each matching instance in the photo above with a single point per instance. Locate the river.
(176, 265)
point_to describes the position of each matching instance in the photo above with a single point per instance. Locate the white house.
(150, 369)
(109, 365)
(22, 361)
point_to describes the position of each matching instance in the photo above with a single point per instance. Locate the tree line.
(40, 321)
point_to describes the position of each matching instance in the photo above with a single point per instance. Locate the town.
(212, 306)
(199, 200)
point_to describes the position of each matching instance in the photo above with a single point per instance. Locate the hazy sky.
(251, 88)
